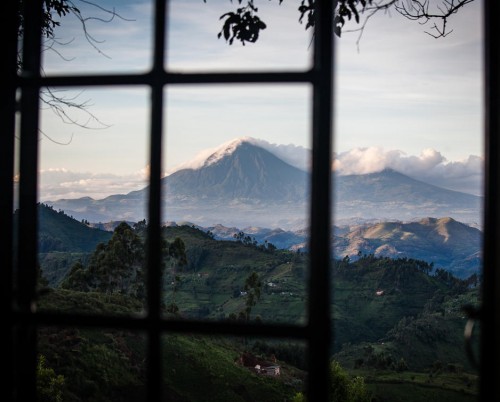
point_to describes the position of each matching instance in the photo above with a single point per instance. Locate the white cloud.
(430, 166)
(62, 183)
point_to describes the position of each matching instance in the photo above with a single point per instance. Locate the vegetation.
(245, 25)
(397, 323)
(50, 386)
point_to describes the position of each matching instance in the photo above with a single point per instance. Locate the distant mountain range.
(243, 184)
(446, 243)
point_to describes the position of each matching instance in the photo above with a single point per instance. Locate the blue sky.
(403, 99)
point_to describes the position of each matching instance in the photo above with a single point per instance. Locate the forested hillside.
(389, 315)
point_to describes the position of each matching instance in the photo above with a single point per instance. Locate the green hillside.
(63, 241)
(59, 232)
(109, 364)
(396, 322)
(210, 285)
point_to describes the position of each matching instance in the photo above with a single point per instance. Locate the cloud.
(62, 183)
(430, 166)
(294, 155)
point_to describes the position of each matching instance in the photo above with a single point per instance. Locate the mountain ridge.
(245, 184)
(444, 242)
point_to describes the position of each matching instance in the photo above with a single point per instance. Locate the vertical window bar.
(489, 389)
(154, 210)
(320, 206)
(8, 27)
(28, 216)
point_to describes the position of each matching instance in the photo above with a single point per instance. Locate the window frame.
(17, 299)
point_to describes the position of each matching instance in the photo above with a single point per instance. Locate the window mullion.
(320, 208)
(8, 26)
(26, 272)
(154, 274)
(490, 311)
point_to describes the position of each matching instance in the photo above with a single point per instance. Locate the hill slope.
(110, 365)
(445, 242)
(59, 232)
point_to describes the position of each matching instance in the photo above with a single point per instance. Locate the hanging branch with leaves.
(245, 25)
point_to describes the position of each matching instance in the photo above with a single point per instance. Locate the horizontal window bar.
(153, 79)
(203, 327)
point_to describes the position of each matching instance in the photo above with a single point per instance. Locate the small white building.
(271, 370)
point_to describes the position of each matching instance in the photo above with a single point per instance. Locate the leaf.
(226, 30)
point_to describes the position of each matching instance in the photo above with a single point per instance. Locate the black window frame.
(20, 95)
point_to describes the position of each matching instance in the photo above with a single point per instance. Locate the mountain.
(444, 242)
(392, 195)
(248, 172)
(242, 184)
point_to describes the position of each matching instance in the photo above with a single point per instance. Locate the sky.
(402, 98)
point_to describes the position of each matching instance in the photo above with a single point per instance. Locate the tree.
(117, 266)
(245, 25)
(342, 387)
(49, 385)
(176, 251)
(253, 287)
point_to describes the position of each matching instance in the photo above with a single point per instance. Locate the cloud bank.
(62, 183)
(430, 166)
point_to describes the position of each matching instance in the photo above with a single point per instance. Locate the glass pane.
(235, 191)
(408, 204)
(92, 190)
(233, 369)
(193, 43)
(91, 364)
(92, 37)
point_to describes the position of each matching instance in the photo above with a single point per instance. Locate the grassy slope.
(218, 269)
(109, 364)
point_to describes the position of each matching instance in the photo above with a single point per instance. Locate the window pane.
(408, 204)
(193, 45)
(232, 369)
(100, 38)
(93, 182)
(236, 189)
(91, 364)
